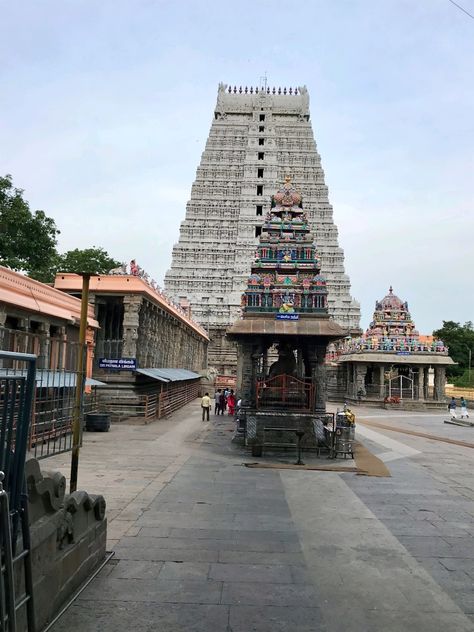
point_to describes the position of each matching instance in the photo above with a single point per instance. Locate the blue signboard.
(403, 353)
(118, 364)
(287, 316)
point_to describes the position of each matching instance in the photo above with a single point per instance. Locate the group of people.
(453, 409)
(223, 400)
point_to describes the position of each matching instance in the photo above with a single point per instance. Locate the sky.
(105, 108)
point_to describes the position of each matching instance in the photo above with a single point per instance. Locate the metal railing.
(285, 391)
(55, 387)
(16, 402)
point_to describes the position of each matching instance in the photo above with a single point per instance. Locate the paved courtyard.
(203, 543)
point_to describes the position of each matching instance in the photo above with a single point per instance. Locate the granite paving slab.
(203, 543)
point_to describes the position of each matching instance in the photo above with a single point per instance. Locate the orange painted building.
(37, 318)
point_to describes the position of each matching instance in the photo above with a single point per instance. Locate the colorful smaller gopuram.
(285, 275)
(393, 329)
(284, 314)
(391, 363)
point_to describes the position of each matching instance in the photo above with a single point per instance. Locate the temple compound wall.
(257, 137)
(138, 322)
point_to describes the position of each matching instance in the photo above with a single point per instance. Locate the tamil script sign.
(287, 316)
(118, 364)
(403, 353)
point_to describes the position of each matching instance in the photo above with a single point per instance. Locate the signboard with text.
(287, 316)
(118, 364)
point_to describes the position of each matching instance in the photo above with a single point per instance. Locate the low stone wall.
(68, 540)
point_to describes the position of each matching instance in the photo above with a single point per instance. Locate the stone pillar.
(421, 382)
(361, 371)
(256, 356)
(318, 377)
(299, 364)
(131, 316)
(44, 340)
(382, 381)
(246, 379)
(439, 383)
(3, 316)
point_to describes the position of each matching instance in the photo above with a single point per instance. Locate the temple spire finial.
(390, 290)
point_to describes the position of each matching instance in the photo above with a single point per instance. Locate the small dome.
(287, 195)
(391, 301)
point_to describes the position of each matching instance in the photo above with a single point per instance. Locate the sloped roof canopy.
(169, 375)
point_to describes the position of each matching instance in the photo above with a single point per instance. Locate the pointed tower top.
(390, 290)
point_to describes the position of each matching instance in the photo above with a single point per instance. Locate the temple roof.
(391, 301)
(389, 358)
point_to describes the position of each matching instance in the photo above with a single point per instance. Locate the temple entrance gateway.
(284, 331)
(401, 386)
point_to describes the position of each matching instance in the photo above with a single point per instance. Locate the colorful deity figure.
(134, 269)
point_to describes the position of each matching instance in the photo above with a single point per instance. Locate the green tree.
(460, 339)
(27, 239)
(94, 260)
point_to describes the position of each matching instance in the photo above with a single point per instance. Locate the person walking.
(464, 412)
(231, 403)
(225, 394)
(452, 408)
(217, 401)
(206, 406)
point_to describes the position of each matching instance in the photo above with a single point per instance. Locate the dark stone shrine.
(284, 318)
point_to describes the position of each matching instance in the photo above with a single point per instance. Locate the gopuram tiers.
(257, 137)
(286, 274)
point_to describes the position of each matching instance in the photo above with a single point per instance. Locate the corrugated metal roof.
(51, 379)
(169, 375)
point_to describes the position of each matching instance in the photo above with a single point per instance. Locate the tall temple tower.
(258, 136)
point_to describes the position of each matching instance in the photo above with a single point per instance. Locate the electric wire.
(462, 9)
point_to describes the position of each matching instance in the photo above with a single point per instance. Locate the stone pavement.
(204, 544)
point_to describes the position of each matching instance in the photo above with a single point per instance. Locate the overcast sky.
(105, 107)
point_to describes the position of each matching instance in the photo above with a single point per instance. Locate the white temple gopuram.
(258, 136)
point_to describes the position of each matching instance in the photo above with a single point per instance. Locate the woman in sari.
(231, 401)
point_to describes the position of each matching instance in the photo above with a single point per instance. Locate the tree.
(459, 339)
(94, 260)
(27, 240)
